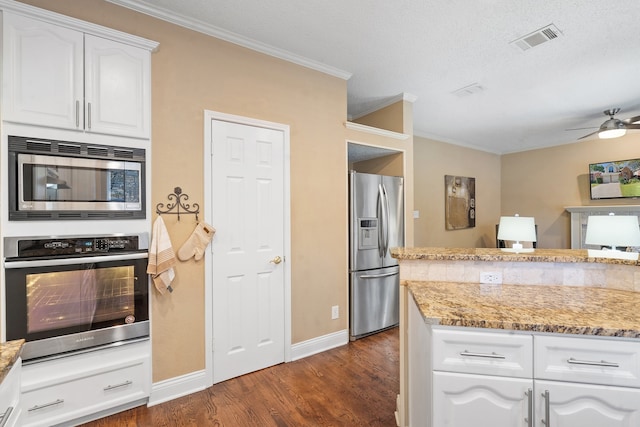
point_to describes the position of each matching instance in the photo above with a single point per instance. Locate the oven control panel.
(70, 246)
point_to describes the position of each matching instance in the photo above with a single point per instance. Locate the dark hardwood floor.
(352, 385)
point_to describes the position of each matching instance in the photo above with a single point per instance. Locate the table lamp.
(612, 230)
(518, 229)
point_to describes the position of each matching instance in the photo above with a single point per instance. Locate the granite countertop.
(493, 254)
(9, 353)
(536, 308)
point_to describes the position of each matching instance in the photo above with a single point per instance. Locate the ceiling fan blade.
(592, 133)
(632, 119)
(590, 127)
(636, 126)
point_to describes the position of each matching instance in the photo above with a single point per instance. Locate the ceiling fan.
(614, 128)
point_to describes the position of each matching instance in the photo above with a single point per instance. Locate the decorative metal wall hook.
(179, 198)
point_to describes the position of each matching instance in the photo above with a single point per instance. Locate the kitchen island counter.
(491, 254)
(536, 308)
(9, 354)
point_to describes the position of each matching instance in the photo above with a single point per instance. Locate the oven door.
(63, 305)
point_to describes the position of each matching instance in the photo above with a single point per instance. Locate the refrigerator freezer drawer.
(374, 301)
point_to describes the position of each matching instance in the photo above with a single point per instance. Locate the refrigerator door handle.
(384, 220)
(381, 220)
(377, 276)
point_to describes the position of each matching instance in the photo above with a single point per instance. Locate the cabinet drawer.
(588, 360)
(76, 398)
(486, 353)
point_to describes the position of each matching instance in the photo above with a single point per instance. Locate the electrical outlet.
(335, 312)
(491, 277)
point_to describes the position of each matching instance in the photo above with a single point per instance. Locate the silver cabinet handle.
(77, 113)
(124, 384)
(377, 276)
(592, 362)
(5, 416)
(492, 355)
(46, 405)
(89, 115)
(547, 418)
(529, 419)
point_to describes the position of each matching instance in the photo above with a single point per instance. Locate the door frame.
(209, 116)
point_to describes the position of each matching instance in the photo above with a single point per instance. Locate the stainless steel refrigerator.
(376, 213)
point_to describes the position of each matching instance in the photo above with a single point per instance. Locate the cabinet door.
(42, 73)
(117, 88)
(571, 405)
(465, 400)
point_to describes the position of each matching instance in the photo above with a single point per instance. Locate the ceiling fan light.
(611, 133)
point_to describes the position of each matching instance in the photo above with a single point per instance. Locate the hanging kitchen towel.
(197, 242)
(161, 257)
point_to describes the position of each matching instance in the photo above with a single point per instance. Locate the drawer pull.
(492, 355)
(46, 405)
(592, 363)
(5, 416)
(124, 384)
(529, 419)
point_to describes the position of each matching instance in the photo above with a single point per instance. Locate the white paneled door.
(248, 248)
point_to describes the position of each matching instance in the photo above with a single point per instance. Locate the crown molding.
(210, 30)
(389, 101)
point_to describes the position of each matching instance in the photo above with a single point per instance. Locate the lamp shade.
(613, 230)
(518, 228)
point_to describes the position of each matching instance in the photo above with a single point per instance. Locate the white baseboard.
(319, 344)
(173, 388)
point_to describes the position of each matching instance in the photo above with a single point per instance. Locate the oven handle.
(70, 261)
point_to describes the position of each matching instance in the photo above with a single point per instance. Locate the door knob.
(276, 260)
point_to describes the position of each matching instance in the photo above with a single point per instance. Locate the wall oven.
(59, 180)
(74, 293)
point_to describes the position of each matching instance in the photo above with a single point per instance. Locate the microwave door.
(66, 183)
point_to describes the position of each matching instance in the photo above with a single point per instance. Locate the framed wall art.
(460, 202)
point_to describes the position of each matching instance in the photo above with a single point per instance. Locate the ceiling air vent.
(538, 37)
(468, 90)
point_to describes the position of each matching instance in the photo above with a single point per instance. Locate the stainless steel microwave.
(62, 180)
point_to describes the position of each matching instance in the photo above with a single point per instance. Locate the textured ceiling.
(430, 49)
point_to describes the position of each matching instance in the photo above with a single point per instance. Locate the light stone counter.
(9, 353)
(553, 267)
(558, 309)
(491, 254)
(548, 290)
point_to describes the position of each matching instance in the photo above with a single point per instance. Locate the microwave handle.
(71, 261)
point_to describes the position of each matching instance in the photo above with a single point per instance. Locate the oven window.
(80, 297)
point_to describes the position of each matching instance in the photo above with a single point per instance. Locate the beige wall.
(541, 183)
(193, 72)
(432, 161)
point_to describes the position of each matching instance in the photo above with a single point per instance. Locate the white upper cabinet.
(43, 77)
(65, 78)
(117, 88)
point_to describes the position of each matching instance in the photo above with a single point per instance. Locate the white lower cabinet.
(472, 400)
(10, 397)
(78, 388)
(467, 377)
(562, 404)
